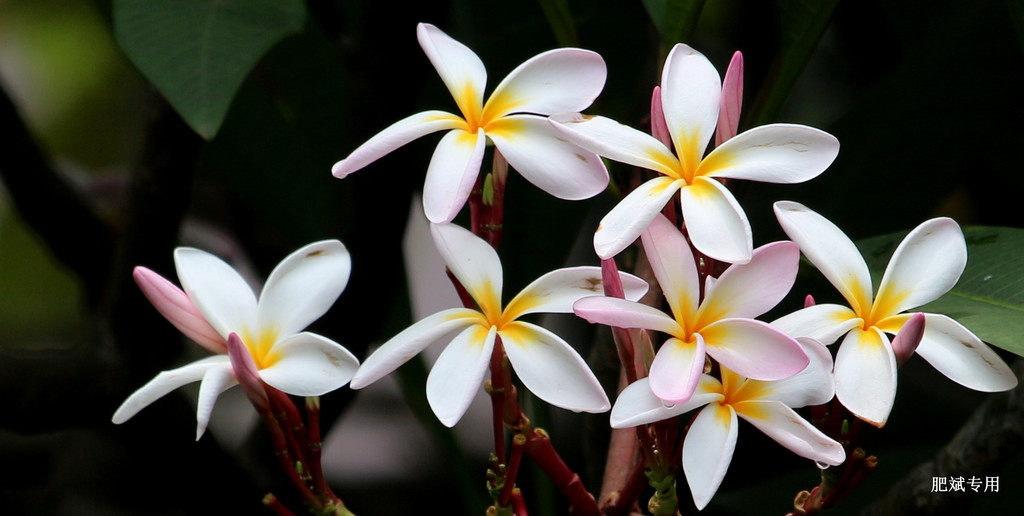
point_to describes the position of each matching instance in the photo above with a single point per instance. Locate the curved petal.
(556, 291)
(452, 172)
(676, 369)
(790, 430)
(753, 288)
(926, 264)
(814, 385)
(306, 364)
(407, 344)
(461, 70)
(823, 323)
(637, 405)
(166, 382)
(472, 261)
(866, 375)
(458, 373)
(551, 369)
(564, 79)
(176, 307)
(621, 313)
(628, 219)
(707, 451)
(224, 298)
(715, 221)
(775, 153)
(395, 136)
(617, 142)
(754, 349)
(304, 286)
(830, 250)
(962, 356)
(215, 381)
(673, 265)
(690, 94)
(544, 158)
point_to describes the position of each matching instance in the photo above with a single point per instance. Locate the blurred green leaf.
(560, 19)
(675, 20)
(198, 52)
(989, 298)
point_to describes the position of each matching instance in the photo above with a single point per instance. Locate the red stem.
(543, 453)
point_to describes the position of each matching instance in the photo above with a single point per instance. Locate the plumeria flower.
(566, 79)
(721, 325)
(711, 439)
(926, 264)
(545, 363)
(217, 302)
(690, 99)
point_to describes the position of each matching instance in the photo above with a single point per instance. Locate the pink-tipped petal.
(452, 171)
(824, 323)
(963, 357)
(407, 344)
(926, 264)
(306, 364)
(246, 372)
(616, 142)
(865, 372)
(659, 128)
(690, 93)
(751, 289)
(830, 250)
(673, 265)
(224, 298)
(716, 223)
(533, 147)
(164, 383)
(551, 369)
(622, 313)
(458, 373)
(707, 451)
(215, 381)
(564, 79)
(908, 338)
(556, 291)
(676, 369)
(621, 226)
(459, 67)
(637, 405)
(176, 307)
(395, 136)
(776, 153)
(304, 286)
(814, 385)
(787, 428)
(754, 349)
(472, 261)
(732, 100)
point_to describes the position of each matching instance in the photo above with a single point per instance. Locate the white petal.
(690, 93)
(395, 136)
(551, 369)
(166, 382)
(707, 451)
(751, 289)
(461, 70)
(452, 172)
(673, 265)
(304, 286)
(962, 356)
(215, 381)
(458, 373)
(754, 349)
(225, 299)
(715, 221)
(927, 263)
(407, 344)
(628, 219)
(617, 142)
(866, 375)
(564, 79)
(637, 405)
(814, 385)
(823, 323)
(830, 250)
(776, 153)
(307, 364)
(544, 158)
(676, 369)
(790, 430)
(622, 313)
(472, 261)
(556, 291)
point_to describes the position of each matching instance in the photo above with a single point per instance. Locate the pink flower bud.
(175, 305)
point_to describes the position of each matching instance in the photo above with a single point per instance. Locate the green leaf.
(198, 52)
(989, 298)
(675, 20)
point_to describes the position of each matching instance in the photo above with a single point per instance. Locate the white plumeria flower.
(566, 79)
(711, 439)
(926, 264)
(717, 226)
(217, 302)
(545, 363)
(721, 325)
